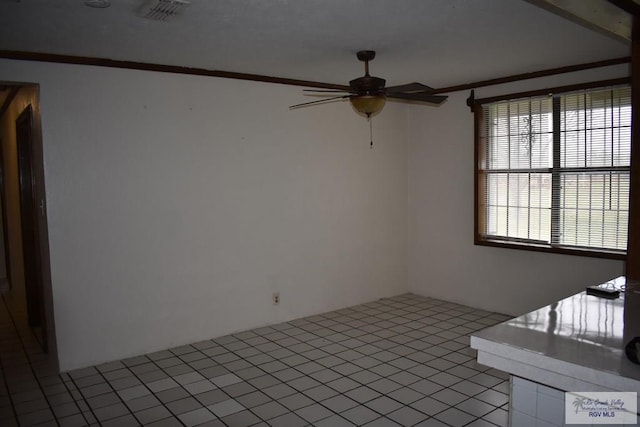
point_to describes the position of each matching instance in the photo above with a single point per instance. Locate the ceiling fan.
(368, 94)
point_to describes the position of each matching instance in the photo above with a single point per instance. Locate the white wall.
(443, 261)
(178, 204)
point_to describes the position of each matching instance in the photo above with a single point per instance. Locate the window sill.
(551, 249)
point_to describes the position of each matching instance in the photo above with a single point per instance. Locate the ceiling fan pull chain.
(370, 130)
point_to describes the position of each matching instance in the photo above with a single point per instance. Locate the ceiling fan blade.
(410, 87)
(325, 90)
(320, 101)
(421, 97)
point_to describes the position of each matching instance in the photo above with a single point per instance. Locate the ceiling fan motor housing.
(368, 85)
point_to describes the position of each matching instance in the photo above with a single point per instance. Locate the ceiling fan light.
(368, 104)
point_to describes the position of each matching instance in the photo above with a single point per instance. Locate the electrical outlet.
(276, 298)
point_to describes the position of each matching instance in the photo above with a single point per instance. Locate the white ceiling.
(436, 42)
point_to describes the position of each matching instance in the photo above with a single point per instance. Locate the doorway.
(30, 299)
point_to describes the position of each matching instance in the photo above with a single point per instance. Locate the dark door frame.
(29, 222)
(3, 212)
(38, 218)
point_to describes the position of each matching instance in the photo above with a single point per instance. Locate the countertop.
(574, 344)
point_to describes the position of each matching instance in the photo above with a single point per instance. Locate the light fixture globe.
(368, 104)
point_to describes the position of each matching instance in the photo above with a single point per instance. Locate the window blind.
(554, 170)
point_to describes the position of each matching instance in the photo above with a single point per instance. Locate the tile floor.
(397, 361)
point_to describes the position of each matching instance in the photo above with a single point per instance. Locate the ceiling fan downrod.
(366, 56)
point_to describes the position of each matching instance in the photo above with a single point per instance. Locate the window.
(553, 172)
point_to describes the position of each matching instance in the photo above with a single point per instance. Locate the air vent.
(162, 10)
